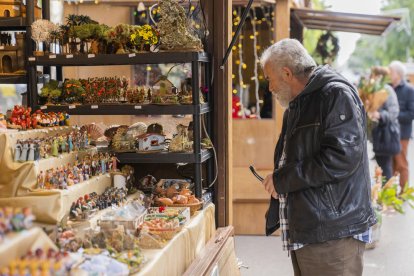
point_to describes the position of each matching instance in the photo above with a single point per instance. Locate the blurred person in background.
(386, 129)
(405, 95)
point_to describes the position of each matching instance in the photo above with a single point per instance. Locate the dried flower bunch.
(174, 28)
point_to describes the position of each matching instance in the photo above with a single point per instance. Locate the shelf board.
(13, 79)
(163, 157)
(126, 109)
(12, 23)
(119, 59)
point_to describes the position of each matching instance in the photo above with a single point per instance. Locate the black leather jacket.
(326, 174)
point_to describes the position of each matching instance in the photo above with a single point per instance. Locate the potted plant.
(385, 198)
(143, 37)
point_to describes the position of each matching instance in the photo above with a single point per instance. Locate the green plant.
(388, 196)
(73, 91)
(51, 91)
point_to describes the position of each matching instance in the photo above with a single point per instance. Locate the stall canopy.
(343, 22)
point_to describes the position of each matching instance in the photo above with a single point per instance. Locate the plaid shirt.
(287, 244)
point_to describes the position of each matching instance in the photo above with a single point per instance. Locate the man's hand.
(269, 187)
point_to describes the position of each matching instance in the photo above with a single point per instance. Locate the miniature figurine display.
(14, 220)
(152, 141)
(128, 172)
(40, 262)
(51, 146)
(23, 118)
(71, 174)
(112, 90)
(84, 206)
(180, 142)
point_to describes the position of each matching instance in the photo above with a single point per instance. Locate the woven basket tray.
(193, 207)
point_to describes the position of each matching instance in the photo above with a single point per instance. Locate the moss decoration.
(174, 30)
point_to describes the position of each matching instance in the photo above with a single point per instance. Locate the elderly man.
(405, 95)
(321, 181)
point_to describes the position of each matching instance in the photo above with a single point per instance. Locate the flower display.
(144, 35)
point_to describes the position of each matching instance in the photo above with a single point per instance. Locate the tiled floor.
(394, 255)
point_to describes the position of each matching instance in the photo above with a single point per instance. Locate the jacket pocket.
(331, 199)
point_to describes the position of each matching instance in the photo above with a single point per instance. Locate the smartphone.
(255, 173)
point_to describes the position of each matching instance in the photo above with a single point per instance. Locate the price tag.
(131, 55)
(32, 59)
(94, 107)
(91, 55)
(43, 107)
(72, 106)
(69, 56)
(52, 56)
(138, 107)
(1, 47)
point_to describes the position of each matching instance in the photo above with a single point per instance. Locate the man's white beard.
(283, 96)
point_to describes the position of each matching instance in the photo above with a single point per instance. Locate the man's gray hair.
(398, 67)
(289, 53)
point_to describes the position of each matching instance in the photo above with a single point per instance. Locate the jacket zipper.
(329, 191)
(308, 125)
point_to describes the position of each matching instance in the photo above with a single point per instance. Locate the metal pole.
(195, 83)
(237, 33)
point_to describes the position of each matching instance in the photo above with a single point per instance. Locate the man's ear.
(287, 74)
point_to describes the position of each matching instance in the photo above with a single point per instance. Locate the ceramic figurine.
(114, 163)
(55, 145)
(67, 117)
(23, 155)
(85, 140)
(63, 144)
(17, 151)
(61, 119)
(31, 154)
(41, 180)
(103, 165)
(70, 142)
(36, 151)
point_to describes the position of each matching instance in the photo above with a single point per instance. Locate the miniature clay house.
(11, 56)
(163, 87)
(151, 142)
(16, 8)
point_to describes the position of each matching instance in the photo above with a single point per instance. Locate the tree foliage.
(381, 50)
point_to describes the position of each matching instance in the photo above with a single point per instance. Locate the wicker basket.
(166, 234)
(194, 207)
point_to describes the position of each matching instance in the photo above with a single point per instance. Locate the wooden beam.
(205, 261)
(282, 19)
(345, 24)
(222, 31)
